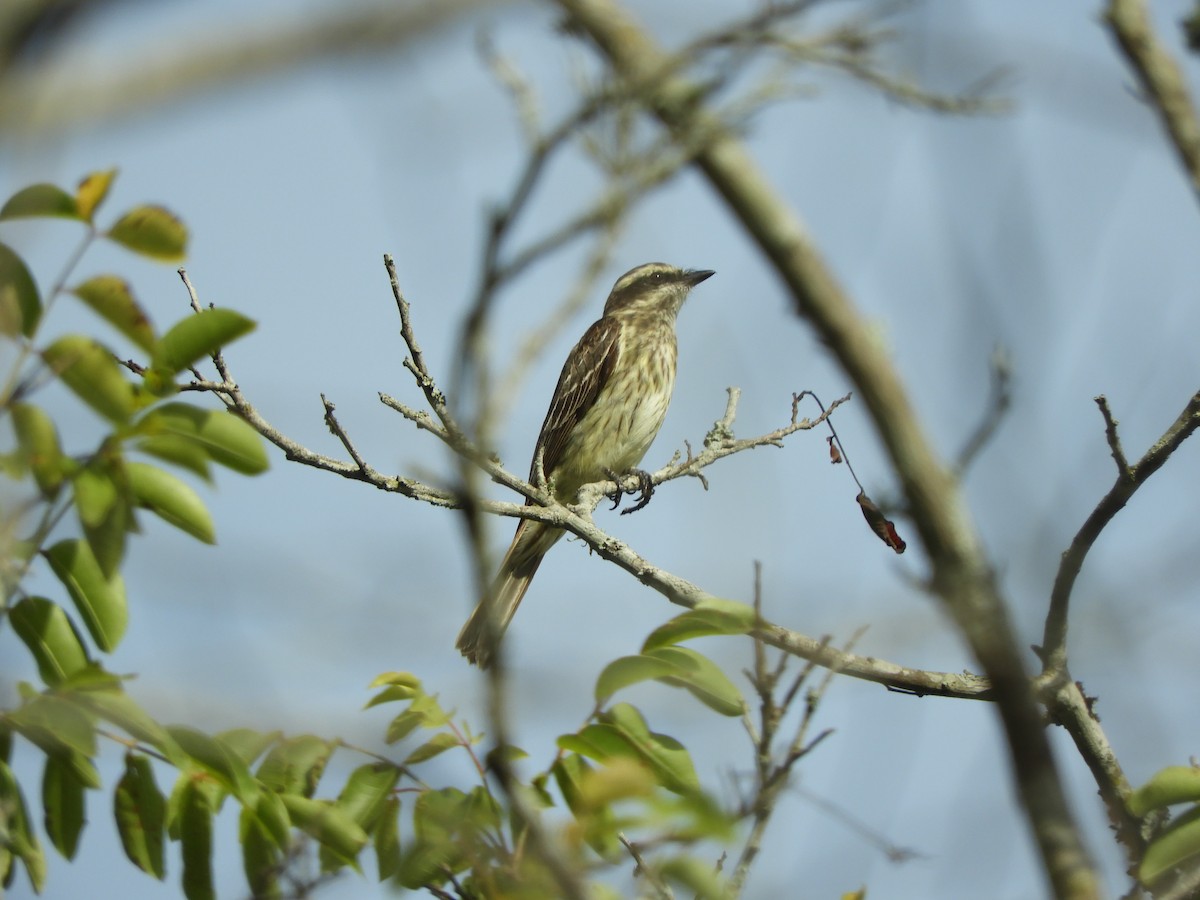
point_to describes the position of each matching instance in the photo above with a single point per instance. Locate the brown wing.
(586, 371)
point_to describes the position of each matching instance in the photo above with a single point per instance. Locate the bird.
(606, 410)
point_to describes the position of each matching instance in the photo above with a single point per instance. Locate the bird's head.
(653, 287)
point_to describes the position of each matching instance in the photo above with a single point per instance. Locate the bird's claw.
(645, 490)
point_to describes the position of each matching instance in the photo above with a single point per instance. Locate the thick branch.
(961, 573)
(1160, 78)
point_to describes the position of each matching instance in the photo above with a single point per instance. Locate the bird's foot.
(645, 489)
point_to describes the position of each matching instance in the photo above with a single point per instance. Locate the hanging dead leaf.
(880, 523)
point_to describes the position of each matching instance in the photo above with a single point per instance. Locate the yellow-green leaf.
(151, 231)
(37, 440)
(103, 502)
(439, 743)
(224, 437)
(111, 298)
(99, 600)
(91, 192)
(1181, 841)
(1174, 784)
(92, 374)
(702, 677)
(20, 303)
(667, 758)
(621, 673)
(203, 334)
(711, 616)
(50, 637)
(171, 499)
(40, 200)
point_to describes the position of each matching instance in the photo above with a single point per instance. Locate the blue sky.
(1064, 231)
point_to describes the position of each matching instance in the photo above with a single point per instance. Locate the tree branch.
(1160, 78)
(1129, 479)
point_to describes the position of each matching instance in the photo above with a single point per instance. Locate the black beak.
(693, 277)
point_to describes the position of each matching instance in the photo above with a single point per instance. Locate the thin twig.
(993, 414)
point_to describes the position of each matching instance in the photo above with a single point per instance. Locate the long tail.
(479, 637)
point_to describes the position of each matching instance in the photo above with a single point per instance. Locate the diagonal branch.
(1129, 479)
(1161, 79)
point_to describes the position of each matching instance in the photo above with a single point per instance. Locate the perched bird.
(611, 399)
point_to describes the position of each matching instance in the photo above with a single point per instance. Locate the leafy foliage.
(614, 791)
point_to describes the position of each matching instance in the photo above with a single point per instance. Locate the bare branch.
(1129, 478)
(58, 97)
(1160, 78)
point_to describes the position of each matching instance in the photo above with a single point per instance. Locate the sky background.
(1063, 231)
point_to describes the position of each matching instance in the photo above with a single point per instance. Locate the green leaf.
(102, 499)
(171, 499)
(20, 303)
(273, 816)
(367, 791)
(219, 760)
(45, 629)
(111, 298)
(196, 337)
(678, 667)
(56, 725)
(63, 804)
(179, 451)
(99, 600)
(223, 436)
(261, 857)
(1179, 842)
(195, 835)
(570, 772)
(439, 743)
(328, 825)
(140, 811)
(405, 679)
(40, 200)
(711, 616)
(20, 838)
(91, 192)
(699, 877)
(621, 673)
(387, 839)
(37, 441)
(151, 231)
(115, 706)
(247, 743)
(702, 677)
(667, 758)
(92, 374)
(295, 765)
(1174, 784)
(423, 712)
